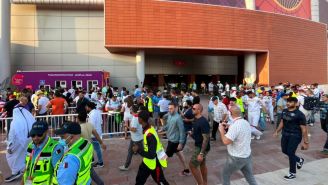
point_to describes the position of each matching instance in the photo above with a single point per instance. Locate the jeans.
(95, 178)
(289, 144)
(97, 148)
(130, 152)
(262, 123)
(234, 164)
(311, 117)
(324, 127)
(215, 129)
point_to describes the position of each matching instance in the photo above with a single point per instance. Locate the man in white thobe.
(18, 140)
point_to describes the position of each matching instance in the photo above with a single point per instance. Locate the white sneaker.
(123, 168)
(253, 137)
(258, 137)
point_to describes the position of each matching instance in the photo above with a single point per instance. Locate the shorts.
(171, 148)
(161, 114)
(194, 156)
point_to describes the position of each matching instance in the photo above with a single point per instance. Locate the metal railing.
(112, 124)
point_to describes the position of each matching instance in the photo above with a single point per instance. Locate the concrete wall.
(296, 47)
(206, 65)
(65, 39)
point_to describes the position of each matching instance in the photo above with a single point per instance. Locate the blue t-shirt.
(155, 101)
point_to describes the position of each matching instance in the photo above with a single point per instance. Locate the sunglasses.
(39, 135)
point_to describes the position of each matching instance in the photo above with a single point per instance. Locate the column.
(140, 60)
(250, 4)
(4, 41)
(315, 10)
(250, 68)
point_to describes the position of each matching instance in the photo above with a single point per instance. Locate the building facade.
(156, 42)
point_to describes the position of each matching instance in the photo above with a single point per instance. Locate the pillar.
(250, 4)
(140, 62)
(4, 41)
(315, 10)
(250, 68)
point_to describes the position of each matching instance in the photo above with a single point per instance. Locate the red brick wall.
(297, 48)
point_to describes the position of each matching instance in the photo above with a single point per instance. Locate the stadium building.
(167, 41)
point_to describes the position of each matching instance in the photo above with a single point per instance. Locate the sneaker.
(258, 137)
(324, 152)
(290, 176)
(98, 165)
(185, 172)
(123, 168)
(253, 137)
(13, 177)
(300, 164)
(311, 124)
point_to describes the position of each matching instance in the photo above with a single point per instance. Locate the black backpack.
(310, 103)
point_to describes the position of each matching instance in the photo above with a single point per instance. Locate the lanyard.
(36, 160)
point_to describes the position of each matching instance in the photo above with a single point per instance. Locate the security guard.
(149, 102)
(75, 166)
(43, 153)
(154, 157)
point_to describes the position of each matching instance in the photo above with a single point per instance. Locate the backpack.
(310, 103)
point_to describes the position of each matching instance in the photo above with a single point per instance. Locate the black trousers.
(157, 174)
(215, 129)
(289, 144)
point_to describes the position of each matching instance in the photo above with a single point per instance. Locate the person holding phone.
(293, 126)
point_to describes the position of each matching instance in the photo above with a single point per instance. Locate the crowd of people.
(237, 114)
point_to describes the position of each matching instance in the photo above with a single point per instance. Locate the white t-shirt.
(253, 104)
(43, 101)
(95, 119)
(210, 87)
(136, 136)
(227, 87)
(240, 134)
(163, 105)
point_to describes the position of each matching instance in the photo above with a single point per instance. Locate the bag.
(310, 103)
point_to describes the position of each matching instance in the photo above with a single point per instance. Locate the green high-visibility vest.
(83, 150)
(42, 172)
(151, 163)
(150, 104)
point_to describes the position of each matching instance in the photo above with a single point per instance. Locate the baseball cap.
(39, 127)
(69, 128)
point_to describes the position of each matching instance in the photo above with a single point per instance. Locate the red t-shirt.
(58, 106)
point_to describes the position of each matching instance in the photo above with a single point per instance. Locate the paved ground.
(268, 160)
(314, 173)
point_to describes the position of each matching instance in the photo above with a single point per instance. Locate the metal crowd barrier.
(112, 124)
